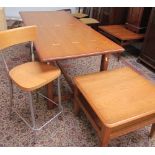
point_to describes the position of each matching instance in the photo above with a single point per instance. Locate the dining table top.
(61, 36)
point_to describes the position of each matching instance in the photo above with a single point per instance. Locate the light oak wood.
(125, 83)
(120, 32)
(105, 136)
(122, 99)
(79, 15)
(99, 126)
(33, 75)
(130, 127)
(17, 35)
(61, 36)
(89, 21)
(78, 106)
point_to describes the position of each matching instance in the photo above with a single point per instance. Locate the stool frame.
(33, 127)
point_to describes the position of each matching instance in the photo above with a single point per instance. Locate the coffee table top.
(120, 32)
(118, 96)
(61, 36)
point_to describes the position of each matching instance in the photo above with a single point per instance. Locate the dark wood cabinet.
(137, 19)
(148, 51)
(110, 15)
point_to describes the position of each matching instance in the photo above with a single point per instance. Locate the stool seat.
(89, 21)
(33, 75)
(79, 15)
(119, 96)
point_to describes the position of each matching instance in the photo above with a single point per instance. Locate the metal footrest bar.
(47, 98)
(33, 126)
(37, 129)
(22, 119)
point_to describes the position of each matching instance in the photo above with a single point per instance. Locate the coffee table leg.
(105, 136)
(104, 62)
(152, 130)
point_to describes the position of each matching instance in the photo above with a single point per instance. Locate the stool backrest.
(96, 12)
(87, 10)
(17, 35)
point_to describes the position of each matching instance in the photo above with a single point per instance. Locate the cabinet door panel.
(137, 19)
(134, 16)
(148, 52)
(149, 47)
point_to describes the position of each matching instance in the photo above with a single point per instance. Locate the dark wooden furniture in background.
(87, 10)
(137, 19)
(105, 16)
(82, 13)
(148, 51)
(112, 15)
(136, 22)
(120, 34)
(93, 19)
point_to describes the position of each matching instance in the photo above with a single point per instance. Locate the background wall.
(13, 12)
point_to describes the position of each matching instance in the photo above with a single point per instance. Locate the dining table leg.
(104, 62)
(50, 95)
(104, 66)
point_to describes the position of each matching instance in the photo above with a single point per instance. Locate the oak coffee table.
(115, 102)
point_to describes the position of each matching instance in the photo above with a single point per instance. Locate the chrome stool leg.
(33, 126)
(59, 94)
(32, 111)
(32, 116)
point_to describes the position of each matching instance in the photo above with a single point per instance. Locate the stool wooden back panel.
(87, 10)
(29, 76)
(17, 35)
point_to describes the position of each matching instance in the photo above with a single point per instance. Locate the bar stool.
(93, 19)
(29, 76)
(82, 13)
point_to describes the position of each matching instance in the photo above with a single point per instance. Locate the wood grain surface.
(118, 96)
(120, 32)
(61, 36)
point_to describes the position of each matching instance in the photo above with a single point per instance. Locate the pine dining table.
(61, 36)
